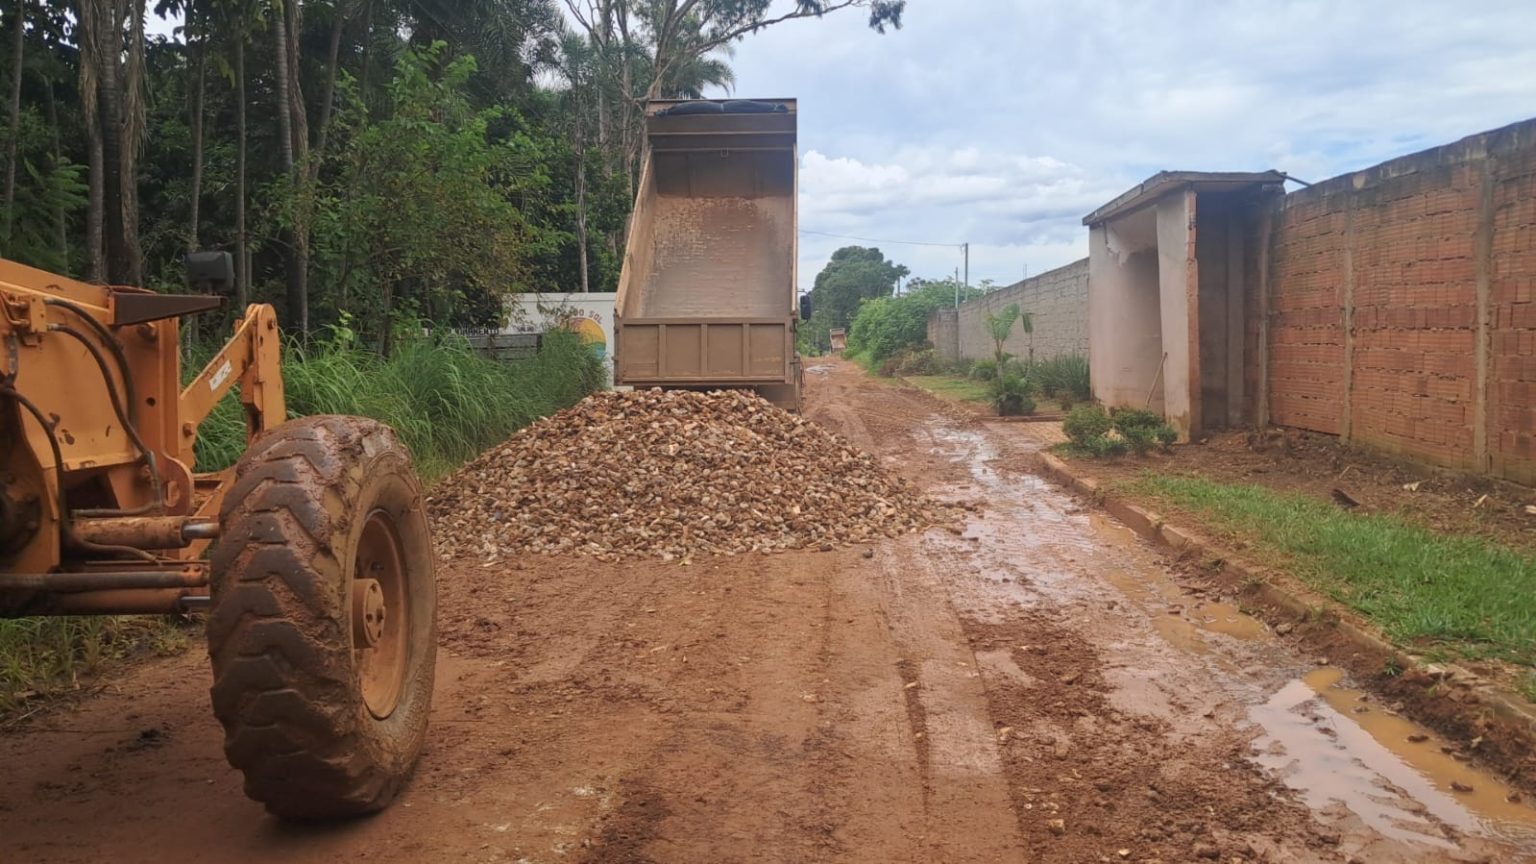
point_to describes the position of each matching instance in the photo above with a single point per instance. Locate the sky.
(1003, 122)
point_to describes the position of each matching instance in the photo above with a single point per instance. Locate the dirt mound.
(670, 475)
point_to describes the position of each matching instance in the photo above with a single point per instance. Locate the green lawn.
(952, 387)
(1444, 594)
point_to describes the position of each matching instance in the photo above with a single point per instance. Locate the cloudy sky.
(1003, 122)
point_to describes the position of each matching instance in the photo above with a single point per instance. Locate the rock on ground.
(671, 474)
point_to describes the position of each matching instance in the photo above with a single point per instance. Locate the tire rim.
(380, 615)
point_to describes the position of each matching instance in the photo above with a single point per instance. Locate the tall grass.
(446, 401)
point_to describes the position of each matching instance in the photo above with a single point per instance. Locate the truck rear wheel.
(322, 628)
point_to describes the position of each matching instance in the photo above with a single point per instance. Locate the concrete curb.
(1283, 595)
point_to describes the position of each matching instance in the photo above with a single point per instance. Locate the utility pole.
(957, 287)
(967, 248)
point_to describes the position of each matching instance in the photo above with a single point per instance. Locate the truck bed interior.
(723, 240)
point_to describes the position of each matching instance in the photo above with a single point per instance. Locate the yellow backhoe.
(311, 557)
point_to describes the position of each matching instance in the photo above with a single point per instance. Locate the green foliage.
(1065, 374)
(447, 402)
(853, 275)
(1425, 590)
(1101, 447)
(1143, 430)
(999, 326)
(886, 325)
(1136, 418)
(1086, 423)
(1011, 396)
(984, 370)
(38, 655)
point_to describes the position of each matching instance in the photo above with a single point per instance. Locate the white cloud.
(1003, 122)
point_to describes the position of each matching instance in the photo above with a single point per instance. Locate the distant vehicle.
(706, 297)
(839, 338)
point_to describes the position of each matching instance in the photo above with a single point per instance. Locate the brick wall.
(1402, 305)
(1058, 300)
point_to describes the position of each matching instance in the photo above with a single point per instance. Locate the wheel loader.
(310, 558)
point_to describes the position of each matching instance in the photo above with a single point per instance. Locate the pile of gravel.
(671, 474)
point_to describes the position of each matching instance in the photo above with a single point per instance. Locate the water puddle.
(1334, 744)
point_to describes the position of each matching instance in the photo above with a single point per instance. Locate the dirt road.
(1040, 688)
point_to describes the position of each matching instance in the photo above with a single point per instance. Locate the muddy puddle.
(1334, 745)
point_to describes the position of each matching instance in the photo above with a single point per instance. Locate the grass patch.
(952, 387)
(446, 401)
(1459, 595)
(42, 656)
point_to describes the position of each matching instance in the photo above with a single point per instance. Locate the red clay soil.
(1000, 695)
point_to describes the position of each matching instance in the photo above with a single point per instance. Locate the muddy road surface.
(1039, 687)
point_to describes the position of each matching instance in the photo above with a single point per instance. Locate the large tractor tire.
(323, 625)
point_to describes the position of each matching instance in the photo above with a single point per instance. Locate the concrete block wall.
(1058, 300)
(1402, 306)
(944, 334)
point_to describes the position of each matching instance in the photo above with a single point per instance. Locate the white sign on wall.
(589, 316)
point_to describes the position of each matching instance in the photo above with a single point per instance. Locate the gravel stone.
(671, 475)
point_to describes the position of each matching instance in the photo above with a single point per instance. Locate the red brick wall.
(1306, 313)
(1376, 283)
(1512, 310)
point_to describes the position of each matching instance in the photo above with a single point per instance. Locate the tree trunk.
(242, 250)
(134, 127)
(60, 218)
(333, 52)
(199, 91)
(298, 273)
(18, 45)
(109, 74)
(298, 289)
(581, 194)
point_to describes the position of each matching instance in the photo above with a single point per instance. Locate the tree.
(853, 275)
(13, 145)
(999, 327)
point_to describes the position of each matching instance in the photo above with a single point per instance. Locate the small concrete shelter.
(1170, 263)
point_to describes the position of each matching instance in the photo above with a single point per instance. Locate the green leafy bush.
(1143, 430)
(1102, 447)
(1086, 423)
(886, 325)
(984, 370)
(1010, 396)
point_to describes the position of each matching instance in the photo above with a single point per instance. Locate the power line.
(872, 240)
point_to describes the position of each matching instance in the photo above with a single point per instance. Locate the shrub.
(884, 326)
(1067, 373)
(984, 370)
(918, 362)
(1086, 423)
(1010, 396)
(1065, 399)
(1142, 430)
(1136, 418)
(1103, 448)
(1138, 438)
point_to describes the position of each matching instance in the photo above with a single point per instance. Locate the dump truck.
(310, 557)
(707, 298)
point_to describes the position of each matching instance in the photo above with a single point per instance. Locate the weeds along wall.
(1057, 300)
(1401, 306)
